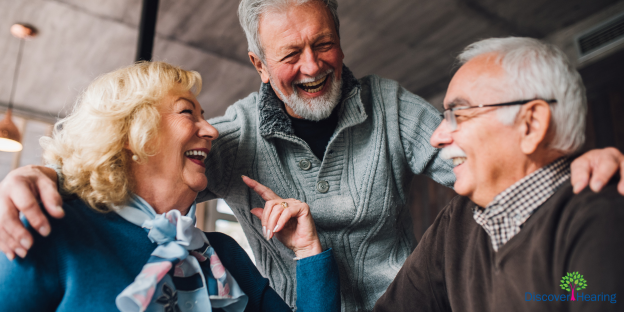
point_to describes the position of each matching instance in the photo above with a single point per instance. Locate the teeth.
(317, 85)
(314, 83)
(315, 90)
(196, 153)
(458, 161)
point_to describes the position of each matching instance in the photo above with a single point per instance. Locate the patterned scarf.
(172, 280)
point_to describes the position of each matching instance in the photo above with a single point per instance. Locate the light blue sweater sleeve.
(417, 121)
(221, 160)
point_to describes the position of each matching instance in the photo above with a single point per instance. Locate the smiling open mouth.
(314, 86)
(197, 156)
(458, 161)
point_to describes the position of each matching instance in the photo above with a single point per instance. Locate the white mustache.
(451, 152)
(313, 79)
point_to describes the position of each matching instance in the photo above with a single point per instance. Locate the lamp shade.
(10, 138)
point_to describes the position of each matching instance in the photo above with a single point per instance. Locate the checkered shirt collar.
(503, 218)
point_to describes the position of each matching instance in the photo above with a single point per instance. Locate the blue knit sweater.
(89, 258)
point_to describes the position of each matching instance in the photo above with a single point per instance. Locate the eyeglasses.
(449, 113)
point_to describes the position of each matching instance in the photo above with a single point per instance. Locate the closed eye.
(325, 45)
(289, 56)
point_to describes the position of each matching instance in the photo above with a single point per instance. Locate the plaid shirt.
(504, 216)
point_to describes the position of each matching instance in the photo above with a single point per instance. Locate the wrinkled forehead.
(482, 80)
(294, 22)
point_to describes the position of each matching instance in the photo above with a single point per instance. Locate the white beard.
(317, 108)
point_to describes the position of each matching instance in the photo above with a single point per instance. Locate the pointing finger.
(257, 212)
(264, 192)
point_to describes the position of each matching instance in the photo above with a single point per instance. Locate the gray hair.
(249, 12)
(536, 70)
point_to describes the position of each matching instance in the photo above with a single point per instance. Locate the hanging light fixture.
(10, 138)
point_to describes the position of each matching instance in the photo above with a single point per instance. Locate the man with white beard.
(348, 147)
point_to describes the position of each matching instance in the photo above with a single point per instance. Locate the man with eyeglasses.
(518, 239)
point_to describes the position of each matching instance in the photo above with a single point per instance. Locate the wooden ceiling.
(411, 41)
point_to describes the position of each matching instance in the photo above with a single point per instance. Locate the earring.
(135, 157)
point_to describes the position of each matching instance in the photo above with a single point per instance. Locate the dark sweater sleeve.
(261, 296)
(318, 283)
(420, 284)
(596, 249)
(32, 283)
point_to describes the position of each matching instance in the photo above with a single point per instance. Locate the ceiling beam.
(32, 114)
(147, 30)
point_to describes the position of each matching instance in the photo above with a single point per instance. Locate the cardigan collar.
(273, 117)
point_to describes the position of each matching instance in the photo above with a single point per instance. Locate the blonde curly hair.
(117, 110)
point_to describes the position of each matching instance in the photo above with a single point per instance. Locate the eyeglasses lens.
(449, 116)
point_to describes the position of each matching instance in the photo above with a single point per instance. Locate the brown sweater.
(454, 267)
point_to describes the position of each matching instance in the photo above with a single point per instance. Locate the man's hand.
(597, 167)
(288, 219)
(19, 192)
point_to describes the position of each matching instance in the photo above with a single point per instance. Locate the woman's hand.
(289, 220)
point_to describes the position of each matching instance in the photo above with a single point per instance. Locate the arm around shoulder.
(20, 191)
(417, 121)
(222, 158)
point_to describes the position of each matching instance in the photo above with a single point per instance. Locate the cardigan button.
(322, 186)
(305, 164)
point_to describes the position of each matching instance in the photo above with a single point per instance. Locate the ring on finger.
(284, 204)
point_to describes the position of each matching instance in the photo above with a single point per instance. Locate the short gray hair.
(249, 12)
(536, 70)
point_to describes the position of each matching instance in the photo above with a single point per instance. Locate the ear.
(259, 65)
(534, 122)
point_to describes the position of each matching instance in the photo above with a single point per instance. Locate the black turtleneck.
(316, 133)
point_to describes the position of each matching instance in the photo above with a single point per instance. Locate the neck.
(525, 167)
(164, 194)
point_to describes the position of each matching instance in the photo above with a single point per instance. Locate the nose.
(310, 63)
(207, 131)
(441, 137)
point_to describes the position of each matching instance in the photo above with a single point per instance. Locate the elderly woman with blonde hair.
(132, 152)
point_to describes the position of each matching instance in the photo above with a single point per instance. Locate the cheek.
(286, 74)
(334, 58)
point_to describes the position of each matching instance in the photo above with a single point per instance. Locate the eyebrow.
(188, 100)
(458, 102)
(287, 49)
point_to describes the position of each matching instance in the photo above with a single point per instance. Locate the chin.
(198, 185)
(461, 188)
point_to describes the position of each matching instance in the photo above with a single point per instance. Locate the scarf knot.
(173, 272)
(174, 227)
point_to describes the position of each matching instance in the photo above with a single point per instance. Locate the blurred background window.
(216, 215)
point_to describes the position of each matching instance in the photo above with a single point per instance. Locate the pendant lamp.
(10, 138)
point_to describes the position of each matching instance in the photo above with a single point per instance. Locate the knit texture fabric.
(89, 258)
(357, 193)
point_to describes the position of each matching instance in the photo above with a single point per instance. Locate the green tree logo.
(573, 281)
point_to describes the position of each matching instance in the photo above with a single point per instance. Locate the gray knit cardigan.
(356, 193)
